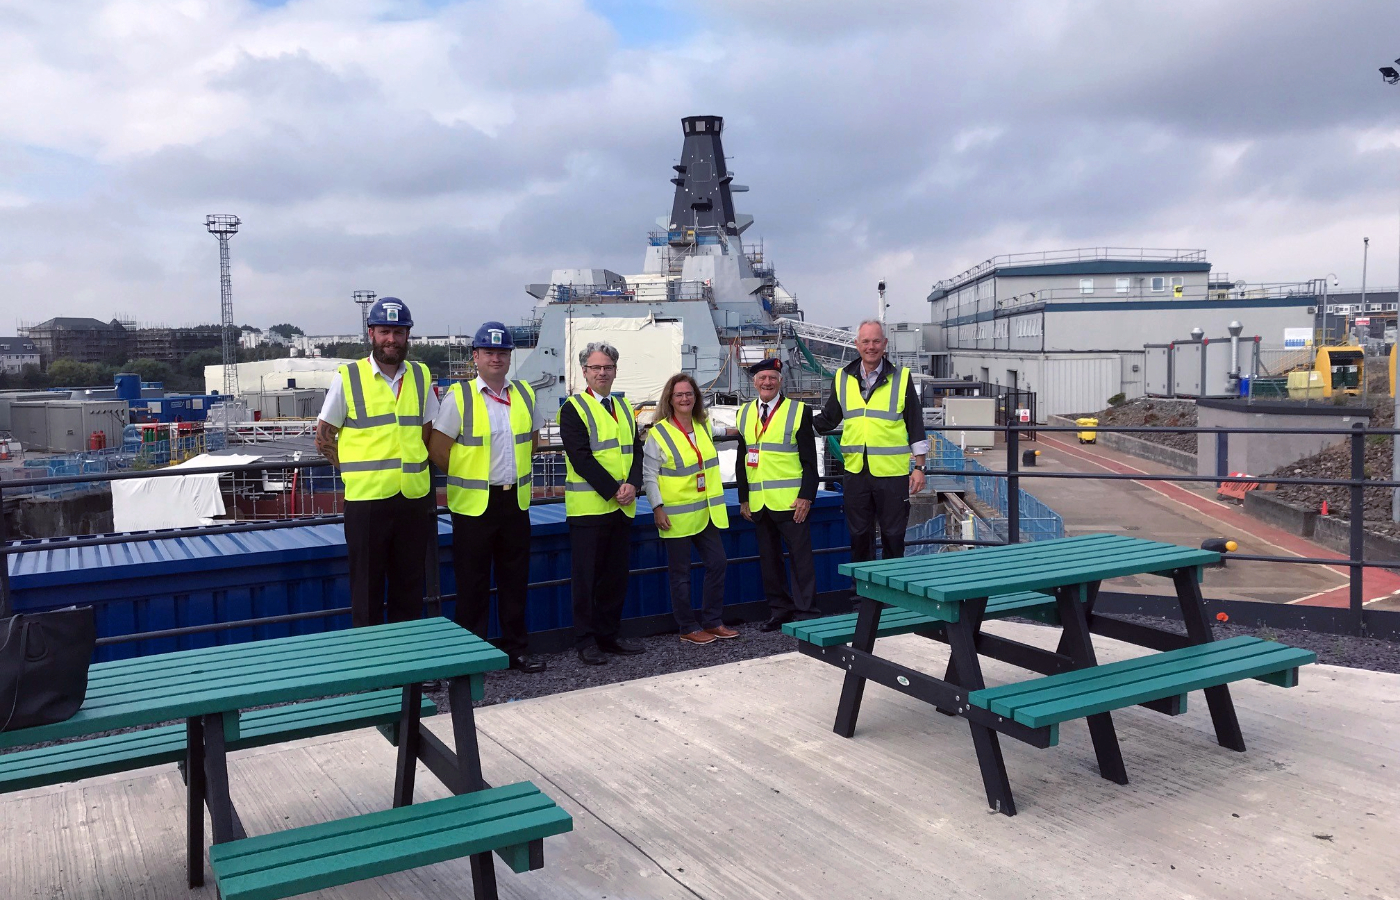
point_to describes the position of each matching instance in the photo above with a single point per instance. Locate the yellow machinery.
(1392, 367)
(1342, 369)
(1089, 435)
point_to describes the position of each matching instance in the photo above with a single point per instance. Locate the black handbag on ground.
(44, 665)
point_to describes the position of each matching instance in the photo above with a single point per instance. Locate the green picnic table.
(213, 690)
(947, 596)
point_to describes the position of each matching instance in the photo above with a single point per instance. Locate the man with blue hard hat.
(484, 438)
(374, 427)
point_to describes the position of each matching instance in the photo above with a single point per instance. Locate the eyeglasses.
(677, 395)
(600, 369)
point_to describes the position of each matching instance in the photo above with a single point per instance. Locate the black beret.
(763, 365)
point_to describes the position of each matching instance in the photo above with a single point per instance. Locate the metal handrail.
(1012, 431)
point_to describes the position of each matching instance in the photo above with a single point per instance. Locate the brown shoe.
(722, 632)
(698, 637)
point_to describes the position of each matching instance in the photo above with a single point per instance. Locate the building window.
(1159, 283)
(1122, 286)
(1178, 281)
(1086, 285)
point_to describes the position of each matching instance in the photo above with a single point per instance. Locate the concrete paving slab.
(728, 783)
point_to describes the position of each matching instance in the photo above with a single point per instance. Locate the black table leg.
(459, 697)
(194, 799)
(1075, 643)
(223, 818)
(409, 740)
(962, 640)
(853, 688)
(1193, 613)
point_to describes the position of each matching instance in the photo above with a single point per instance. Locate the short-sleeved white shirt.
(449, 422)
(334, 409)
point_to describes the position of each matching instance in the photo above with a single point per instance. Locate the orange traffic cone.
(1324, 507)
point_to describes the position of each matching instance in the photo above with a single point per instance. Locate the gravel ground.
(1161, 413)
(666, 654)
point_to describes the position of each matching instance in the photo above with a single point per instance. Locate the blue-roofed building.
(1070, 325)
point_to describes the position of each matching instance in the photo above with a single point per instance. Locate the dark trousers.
(711, 549)
(871, 500)
(387, 542)
(599, 547)
(499, 538)
(772, 530)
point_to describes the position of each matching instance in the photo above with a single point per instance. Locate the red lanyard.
(504, 401)
(771, 413)
(691, 438)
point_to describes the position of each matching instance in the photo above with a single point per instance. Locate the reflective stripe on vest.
(688, 509)
(469, 465)
(874, 428)
(380, 443)
(775, 482)
(611, 440)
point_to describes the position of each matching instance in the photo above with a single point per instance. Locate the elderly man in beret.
(776, 471)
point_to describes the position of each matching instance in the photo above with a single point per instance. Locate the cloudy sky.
(450, 153)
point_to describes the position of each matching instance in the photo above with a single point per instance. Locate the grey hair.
(876, 322)
(597, 347)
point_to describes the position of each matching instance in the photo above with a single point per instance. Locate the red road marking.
(1376, 584)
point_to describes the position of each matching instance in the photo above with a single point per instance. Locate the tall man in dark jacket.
(883, 444)
(776, 471)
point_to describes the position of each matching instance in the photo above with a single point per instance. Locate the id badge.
(700, 482)
(751, 460)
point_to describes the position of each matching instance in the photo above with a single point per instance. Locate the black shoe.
(592, 656)
(526, 664)
(622, 647)
(774, 623)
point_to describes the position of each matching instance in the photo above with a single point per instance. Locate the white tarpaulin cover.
(143, 504)
(650, 353)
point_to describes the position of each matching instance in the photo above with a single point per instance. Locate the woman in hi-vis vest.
(680, 471)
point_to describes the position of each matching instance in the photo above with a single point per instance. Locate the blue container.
(154, 585)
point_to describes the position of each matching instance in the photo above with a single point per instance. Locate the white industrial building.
(1071, 325)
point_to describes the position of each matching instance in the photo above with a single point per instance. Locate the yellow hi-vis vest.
(874, 428)
(611, 439)
(469, 466)
(688, 509)
(774, 483)
(380, 444)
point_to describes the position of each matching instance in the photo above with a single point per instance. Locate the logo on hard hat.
(391, 311)
(496, 335)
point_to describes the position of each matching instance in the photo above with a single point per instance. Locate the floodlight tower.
(223, 228)
(366, 300)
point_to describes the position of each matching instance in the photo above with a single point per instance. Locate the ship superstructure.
(705, 302)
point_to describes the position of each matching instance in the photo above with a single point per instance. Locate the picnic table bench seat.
(511, 820)
(71, 761)
(832, 631)
(1053, 699)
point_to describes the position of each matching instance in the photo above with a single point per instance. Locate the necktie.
(607, 404)
(765, 412)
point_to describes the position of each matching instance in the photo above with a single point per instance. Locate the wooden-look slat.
(291, 862)
(1084, 692)
(166, 744)
(990, 571)
(187, 683)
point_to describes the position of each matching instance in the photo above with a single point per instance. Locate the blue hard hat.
(493, 336)
(390, 311)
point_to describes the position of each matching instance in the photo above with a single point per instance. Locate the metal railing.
(1079, 254)
(1011, 478)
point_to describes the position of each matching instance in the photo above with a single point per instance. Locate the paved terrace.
(728, 783)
